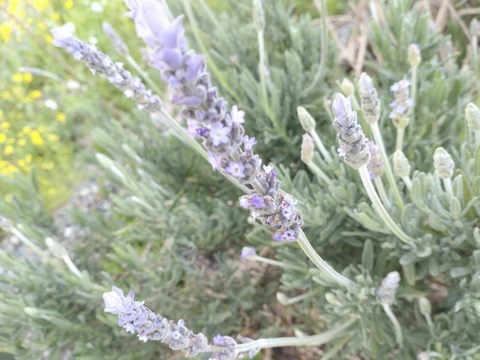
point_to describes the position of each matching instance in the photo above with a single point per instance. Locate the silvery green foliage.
(443, 267)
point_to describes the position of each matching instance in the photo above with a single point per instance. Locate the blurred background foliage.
(161, 222)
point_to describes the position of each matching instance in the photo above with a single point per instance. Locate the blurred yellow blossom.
(48, 165)
(25, 77)
(22, 142)
(11, 141)
(36, 138)
(28, 158)
(5, 31)
(51, 191)
(21, 163)
(49, 38)
(8, 198)
(26, 129)
(41, 129)
(8, 150)
(35, 94)
(53, 137)
(3, 137)
(56, 16)
(40, 4)
(5, 95)
(61, 117)
(15, 90)
(68, 4)
(4, 125)
(43, 181)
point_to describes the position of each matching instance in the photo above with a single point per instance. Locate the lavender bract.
(401, 105)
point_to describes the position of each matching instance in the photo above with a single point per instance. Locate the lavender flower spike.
(375, 165)
(369, 99)
(401, 105)
(388, 289)
(350, 134)
(133, 316)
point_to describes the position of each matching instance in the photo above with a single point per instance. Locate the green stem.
(317, 171)
(355, 105)
(320, 263)
(414, 98)
(277, 263)
(431, 326)
(388, 170)
(321, 147)
(298, 298)
(323, 52)
(477, 138)
(395, 323)
(313, 340)
(408, 182)
(448, 186)
(380, 209)
(400, 135)
(382, 192)
(72, 266)
(263, 73)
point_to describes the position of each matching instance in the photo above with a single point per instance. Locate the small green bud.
(55, 248)
(105, 161)
(331, 298)
(282, 298)
(401, 166)
(472, 114)
(347, 87)
(414, 55)
(425, 306)
(306, 120)
(443, 163)
(307, 149)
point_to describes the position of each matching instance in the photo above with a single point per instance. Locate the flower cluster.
(401, 165)
(186, 73)
(274, 208)
(133, 316)
(248, 253)
(368, 99)
(99, 63)
(350, 135)
(443, 163)
(375, 165)
(388, 289)
(401, 104)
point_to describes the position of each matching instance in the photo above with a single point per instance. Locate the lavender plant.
(402, 275)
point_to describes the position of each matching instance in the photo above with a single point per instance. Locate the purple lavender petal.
(218, 340)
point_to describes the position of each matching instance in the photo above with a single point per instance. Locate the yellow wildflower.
(41, 129)
(5, 95)
(22, 142)
(15, 90)
(35, 94)
(51, 191)
(21, 163)
(43, 181)
(40, 4)
(5, 31)
(53, 137)
(3, 137)
(28, 158)
(12, 168)
(61, 117)
(11, 141)
(8, 198)
(36, 138)
(17, 77)
(49, 38)
(27, 77)
(56, 16)
(48, 165)
(8, 150)
(4, 125)
(68, 4)
(26, 129)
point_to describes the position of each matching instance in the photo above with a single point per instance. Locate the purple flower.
(62, 35)
(289, 236)
(243, 202)
(237, 115)
(393, 103)
(219, 134)
(133, 6)
(273, 173)
(288, 211)
(114, 300)
(248, 251)
(254, 215)
(394, 87)
(181, 322)
(176, 335)
(202, 132)
(192, 128)
(278, 237)
(236, 169)
(214, 160)
(249, 142)
(256, 201)
(218, 340)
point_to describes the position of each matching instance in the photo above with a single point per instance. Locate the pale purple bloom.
(393, 103)
(410, 102)
(181, 322)
(267, 168)
(392, 115)
(133, 6)
(62, 35)
(394, 87)
(249, 142)
(192, 128)
(256, 201)
(114, 300)
(219, 134)
(176, 335)
(243, 202)
(143, 337)
(218, 340)
(278, 237)
(254, 215)
(248, 251)
(236, 169)
(237, 115)
(288, 211)
(202, 132)
(273, 173)
(289, 236)
(214, 160)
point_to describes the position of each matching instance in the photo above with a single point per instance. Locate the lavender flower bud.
(474, 27)
(350, 134)
(369, 101)
(282, 298)
(425, 306)
(248, 253)
(414, 55)
(120, 46)
(401, 105)
(472, 114)
(56, 249)
(347, 87)
(307, 149)
(388, 289)
(306, 120)
(443, 163)
(401, 166)
(375, 165)
(258, 16)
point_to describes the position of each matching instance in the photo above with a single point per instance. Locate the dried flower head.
(388, 289)
(414, 55)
